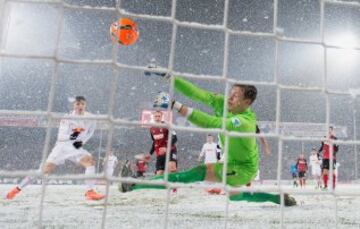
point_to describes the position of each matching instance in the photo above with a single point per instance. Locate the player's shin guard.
(193, 175)
(90, 171)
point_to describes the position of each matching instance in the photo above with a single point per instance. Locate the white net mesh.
(58, 56)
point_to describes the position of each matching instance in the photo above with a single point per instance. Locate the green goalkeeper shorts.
(237, 174)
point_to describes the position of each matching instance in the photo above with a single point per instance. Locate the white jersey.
(314, 161)
(209, 151)
(111, 162)
(67, 127)
(64, 149)
(315, 164)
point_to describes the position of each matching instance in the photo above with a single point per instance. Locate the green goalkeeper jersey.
(243, 156)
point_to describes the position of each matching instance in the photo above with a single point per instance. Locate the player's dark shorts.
(294, 175)
(160, 160)
(139, 174)
(301, 174)
(326, 164)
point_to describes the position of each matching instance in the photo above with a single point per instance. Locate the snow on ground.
(65, 207)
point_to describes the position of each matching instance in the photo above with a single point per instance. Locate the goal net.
(303, 57)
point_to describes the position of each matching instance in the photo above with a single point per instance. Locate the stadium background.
(31, 29)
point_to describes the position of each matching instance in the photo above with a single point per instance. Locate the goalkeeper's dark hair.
(250, 91)
(79, 98)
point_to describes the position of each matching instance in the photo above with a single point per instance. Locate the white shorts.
(66, 151)
(316, 171)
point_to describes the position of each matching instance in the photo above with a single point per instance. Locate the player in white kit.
(209, 151)
(111, 164)
(72, 135)
(211, 154)
(315, 164)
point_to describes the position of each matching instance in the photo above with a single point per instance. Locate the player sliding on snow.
(73, 134)
(243, 155)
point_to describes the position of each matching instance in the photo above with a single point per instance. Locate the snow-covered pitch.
(65, 207)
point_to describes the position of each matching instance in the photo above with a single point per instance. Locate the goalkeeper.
(243, 156)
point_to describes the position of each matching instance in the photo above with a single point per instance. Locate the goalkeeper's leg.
(193, 175)
(196, 174)
(208, 172)
(263, 197)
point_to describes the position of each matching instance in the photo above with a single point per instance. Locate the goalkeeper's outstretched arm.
(239, 118)
(190, 90)
(236, 123)
(197, 94)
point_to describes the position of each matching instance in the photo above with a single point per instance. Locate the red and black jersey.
(160, 137)
(325, 147)
(301, 165)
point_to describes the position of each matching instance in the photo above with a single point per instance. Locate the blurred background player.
(141, 163)
(302, 168)
(72, 135)
(111, 162)
(325, 149)
(294, 174)
(265, 148)
(159, 135)
(209, 151)
(315, 164)
(337, 169)
(263, 142)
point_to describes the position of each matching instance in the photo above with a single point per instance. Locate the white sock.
(28, 180)
(90, 184)
(25, 182)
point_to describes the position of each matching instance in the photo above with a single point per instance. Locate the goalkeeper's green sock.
(193, 175)
(256, 197)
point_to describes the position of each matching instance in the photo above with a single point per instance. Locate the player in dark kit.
(325, 149)
(160, 136)
(141, 167)
(302, 167)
